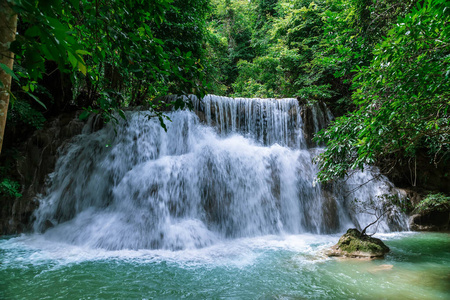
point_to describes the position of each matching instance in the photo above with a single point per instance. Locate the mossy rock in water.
(352, 244)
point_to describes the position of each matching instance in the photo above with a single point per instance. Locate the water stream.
(246, 172)
(266, 267)
(222, 205)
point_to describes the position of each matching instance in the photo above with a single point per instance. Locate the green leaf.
(36, 99)
(84, 115)
(161, 122)
(8, 71)
(122, 114)
(82, 52)
(33, 31)
(72, 59)
(82, 67)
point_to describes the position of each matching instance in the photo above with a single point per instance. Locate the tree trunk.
(8, 27)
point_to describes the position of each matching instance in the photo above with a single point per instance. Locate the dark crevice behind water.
(234, 168)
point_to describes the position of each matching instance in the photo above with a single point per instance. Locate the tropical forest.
(224, 149)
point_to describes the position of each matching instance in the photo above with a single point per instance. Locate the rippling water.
(267, 267)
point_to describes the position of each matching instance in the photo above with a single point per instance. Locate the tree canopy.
(382, 66)
(103, 55)
(402, 97)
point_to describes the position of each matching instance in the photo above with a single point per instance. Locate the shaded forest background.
(381, 66)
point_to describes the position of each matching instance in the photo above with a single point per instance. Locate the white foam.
(196, 186)
(36, 249)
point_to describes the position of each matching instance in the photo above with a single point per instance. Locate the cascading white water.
(266, 121)
(246, 172)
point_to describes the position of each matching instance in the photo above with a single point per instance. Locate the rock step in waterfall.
(232, 168)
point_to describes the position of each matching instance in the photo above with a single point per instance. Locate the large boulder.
(352, 244)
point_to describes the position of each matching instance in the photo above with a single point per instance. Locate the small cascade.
(266, 121)
(235, 168)
(371, 189)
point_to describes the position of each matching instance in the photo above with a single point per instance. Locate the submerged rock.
(352, 244)
(381, 268)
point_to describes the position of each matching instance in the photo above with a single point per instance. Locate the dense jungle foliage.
(382, 66)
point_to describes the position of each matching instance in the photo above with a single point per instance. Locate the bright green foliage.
(261, 78)
(437, 201)
(230, 28)
(139, 50)
(290, 38)
(393, 53)
(304, 48)
(301, 46)
(403, 97)
(9, 188)
(126, 52)
(303, 28)
(45, 37)
(218, 64)
(350, 31)
(42, 37)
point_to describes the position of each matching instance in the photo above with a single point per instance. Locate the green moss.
(352, 242)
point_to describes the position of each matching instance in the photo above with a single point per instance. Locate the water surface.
(268, 267)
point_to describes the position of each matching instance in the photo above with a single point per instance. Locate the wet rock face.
(422, 174)
(434, 220)
(352, 244)
(37, 159)
(330, 211)
(315, 118)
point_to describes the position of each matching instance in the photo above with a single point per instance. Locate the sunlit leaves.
(118, 53)
(402, 96)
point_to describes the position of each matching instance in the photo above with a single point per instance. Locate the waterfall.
(232, 168)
